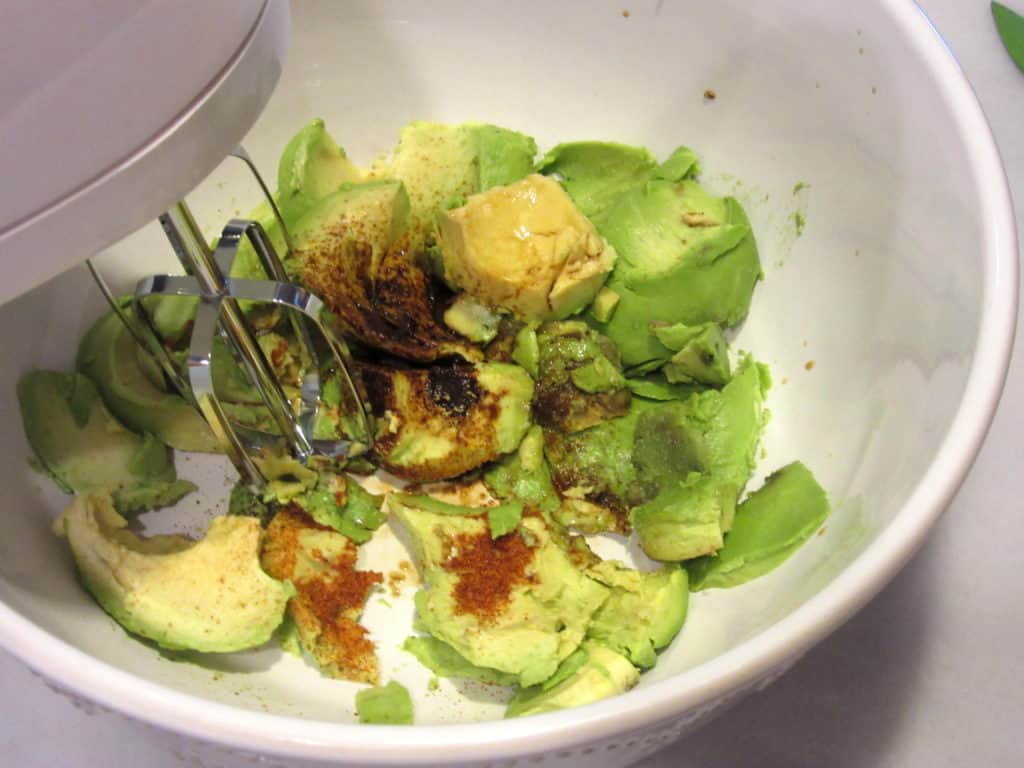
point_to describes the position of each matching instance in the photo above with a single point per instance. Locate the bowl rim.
(667, 700)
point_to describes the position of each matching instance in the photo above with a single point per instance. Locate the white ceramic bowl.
(901, 290)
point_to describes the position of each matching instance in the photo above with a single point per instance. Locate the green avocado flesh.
(543, 338)
(770, 526)
(85, 449)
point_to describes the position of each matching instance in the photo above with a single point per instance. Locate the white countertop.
(929, 674)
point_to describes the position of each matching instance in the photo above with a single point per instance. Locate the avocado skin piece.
(579, 379)
(545, 617)
(441, 422)
(209, 596)
(771, 524)
(311, 167)
(384, 705)
(644, 613)
(85, 449)
(605, 673)
(444, 661)
(107, 354)
(672, 271)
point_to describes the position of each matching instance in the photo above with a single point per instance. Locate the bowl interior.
(868, 318)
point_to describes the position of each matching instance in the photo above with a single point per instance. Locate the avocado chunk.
(352, 249)
(330, 593)
(312, 166)
(472, 319)
(524, 475)
(686, 519)
(685, 256)
(579, 379)
(384, 705)
(444, 661)
(644, 613)
(441, 164)
(771, 524)
(604, 673)
(526, 249)
(654, 386)
(701, 354)
(595, 173)
(526, 350)
(523, 613)
(85, 449)
(700, 453)
(604, 305)
(109, 356)
(208, 596)
(443, 421)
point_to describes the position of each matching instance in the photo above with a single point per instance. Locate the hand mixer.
(189, 94)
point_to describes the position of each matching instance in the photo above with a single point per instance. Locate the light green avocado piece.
(384, 705)
(579, 379)
(701, 354)
(539, 616)
(604, 673)
(85, 449)
(443, 164)
(171, 316)
(526, 350)
(108, 355)
(524, 475)
(210, 596)
(595, 173)
(684, 256)
(339, 502)
(444, 661)
(644, 613)
(686, 519)
(472, 319)
(604, 305)
(681, 164)
(654, 386)
(312, 166)
(770, 525)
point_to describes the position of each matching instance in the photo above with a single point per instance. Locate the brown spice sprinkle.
(327, 606)
(487, 569)
(710, 95)
(809, 365)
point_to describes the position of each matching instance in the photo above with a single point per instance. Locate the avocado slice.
(440, 164)
(108, 355)
(352, 249)
(209, 596)
(644, 613)
(579, 379)
(525, 249)
(685, 256)
(445, 420)
(312, 166)
(85, 449)
(604, 673)
(330, 593)
(522, 614)
(384, 705)
(771, 524)
(595, 173)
